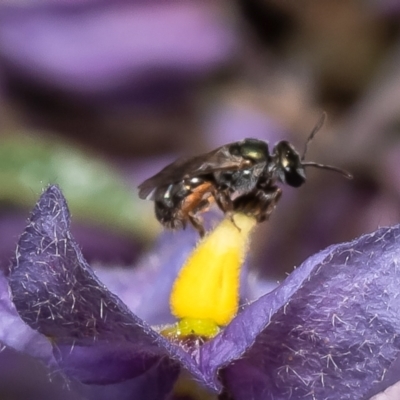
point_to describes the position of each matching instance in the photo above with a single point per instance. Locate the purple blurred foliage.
(106, 247)
(330, 330)
(119, 76)
(227, 123)
(11, 226)
(98, 47)
(389, 8)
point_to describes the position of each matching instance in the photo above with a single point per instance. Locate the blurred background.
(98, 95)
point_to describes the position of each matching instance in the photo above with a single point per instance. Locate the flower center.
(205, 294)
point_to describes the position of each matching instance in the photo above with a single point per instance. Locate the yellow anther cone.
(207, 287)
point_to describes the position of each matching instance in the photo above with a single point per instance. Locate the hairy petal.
(331, 330)
(95, 338)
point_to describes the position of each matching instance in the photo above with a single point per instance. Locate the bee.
(239, 177)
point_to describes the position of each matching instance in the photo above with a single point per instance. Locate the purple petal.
(391, 393)
(22, 377)
(16, 334)
(146, 288)
(331, 330)
(95, 337)
(153, 385)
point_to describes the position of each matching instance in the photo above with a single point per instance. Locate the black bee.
(238, 177)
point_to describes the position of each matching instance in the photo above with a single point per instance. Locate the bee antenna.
(316, 128)
(328, 167)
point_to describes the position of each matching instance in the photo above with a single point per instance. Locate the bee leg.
(230, 214)
(196, 221)
(197, 224)
(268, 203)
(225, 203)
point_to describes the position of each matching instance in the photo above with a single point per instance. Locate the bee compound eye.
(295, 177)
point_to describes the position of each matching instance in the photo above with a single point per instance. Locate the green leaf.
(94, 190)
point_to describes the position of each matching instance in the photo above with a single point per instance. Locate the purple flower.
(329, 331)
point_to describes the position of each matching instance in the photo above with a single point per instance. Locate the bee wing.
(217, 160)
(168, 175)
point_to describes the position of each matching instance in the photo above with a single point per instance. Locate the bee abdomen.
(168, 216)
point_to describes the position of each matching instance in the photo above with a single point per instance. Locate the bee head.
(288, 164)
(290, 167)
